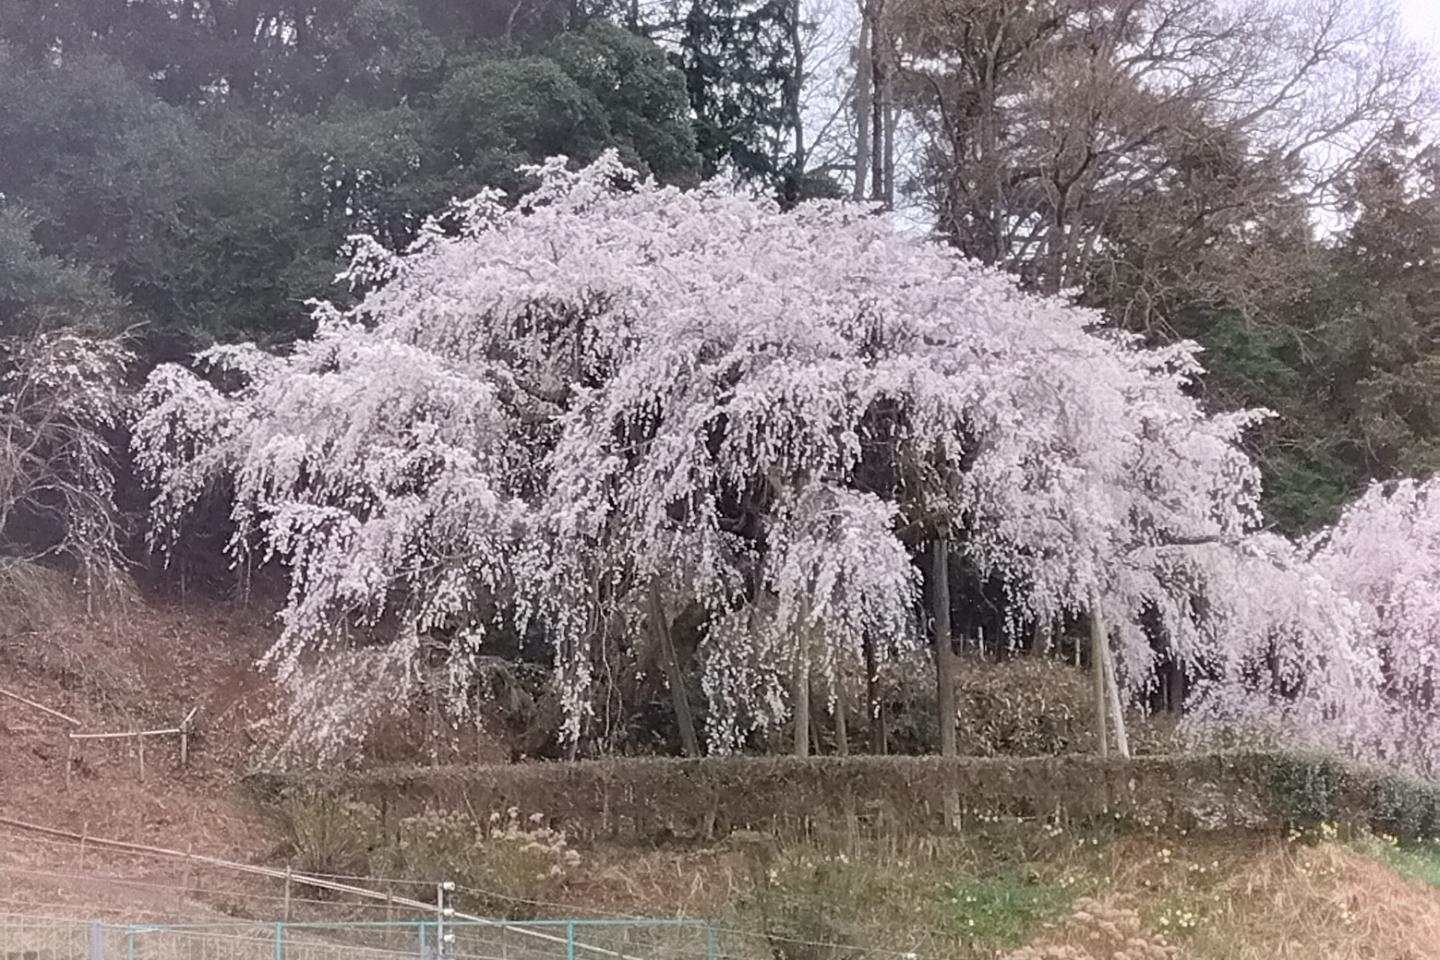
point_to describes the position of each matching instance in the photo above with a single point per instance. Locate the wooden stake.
(1097, 674)
(185, 885)
(288, 877)
(69, 759)
(1117, 716)
(185, 737)
(142, 758)
(40, 706)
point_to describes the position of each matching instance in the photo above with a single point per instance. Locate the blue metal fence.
(438, 939)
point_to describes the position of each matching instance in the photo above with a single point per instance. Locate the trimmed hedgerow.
(656, 798)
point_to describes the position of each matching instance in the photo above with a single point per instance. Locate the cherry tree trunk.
(874, 706)
(800, 698)
(684, 719)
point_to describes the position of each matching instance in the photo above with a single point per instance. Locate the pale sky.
(1422, 17)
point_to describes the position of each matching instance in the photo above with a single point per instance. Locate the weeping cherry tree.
(610, 402)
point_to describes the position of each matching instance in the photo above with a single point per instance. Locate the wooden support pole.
(1097, 675)
(800, 697)
(39, 706)
(185, 737)
(1117, 715)
(185, 884)
(126, 734)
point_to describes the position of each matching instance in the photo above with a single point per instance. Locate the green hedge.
(649, 799)
(1310, 789)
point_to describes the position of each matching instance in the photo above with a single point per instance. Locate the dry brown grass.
(1098, 930)
(1244, 897)
(1327, 901)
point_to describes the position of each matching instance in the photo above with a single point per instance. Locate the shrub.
(503, 866)
(1309, 790)
(1306, 788)
(328, 833)
(1023, 707)
(1036, 707)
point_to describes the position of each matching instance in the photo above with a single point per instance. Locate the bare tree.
(60, 401)
(1054, 127)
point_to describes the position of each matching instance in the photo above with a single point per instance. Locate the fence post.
(709, 940)
(97, 940)
(185, 885)
(129, 942)
(569, 940)
(440, 921)
(279, 940)
(424, 953)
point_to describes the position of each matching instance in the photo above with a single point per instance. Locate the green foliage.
(498, 113)
(1419, 860)
(1005, 908)
(1312, 791)
(217, 218)
(1307, 789)
(1405, 807)
(974, 893)
(642, 96)
(738, 56)
(1344, 353)
(42, 292)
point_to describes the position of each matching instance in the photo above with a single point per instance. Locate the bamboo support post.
(185, 737)
(185, 884)
(39, 706)
(126, 734)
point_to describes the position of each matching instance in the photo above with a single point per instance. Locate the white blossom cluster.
(1384, 556)
(613, 401)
